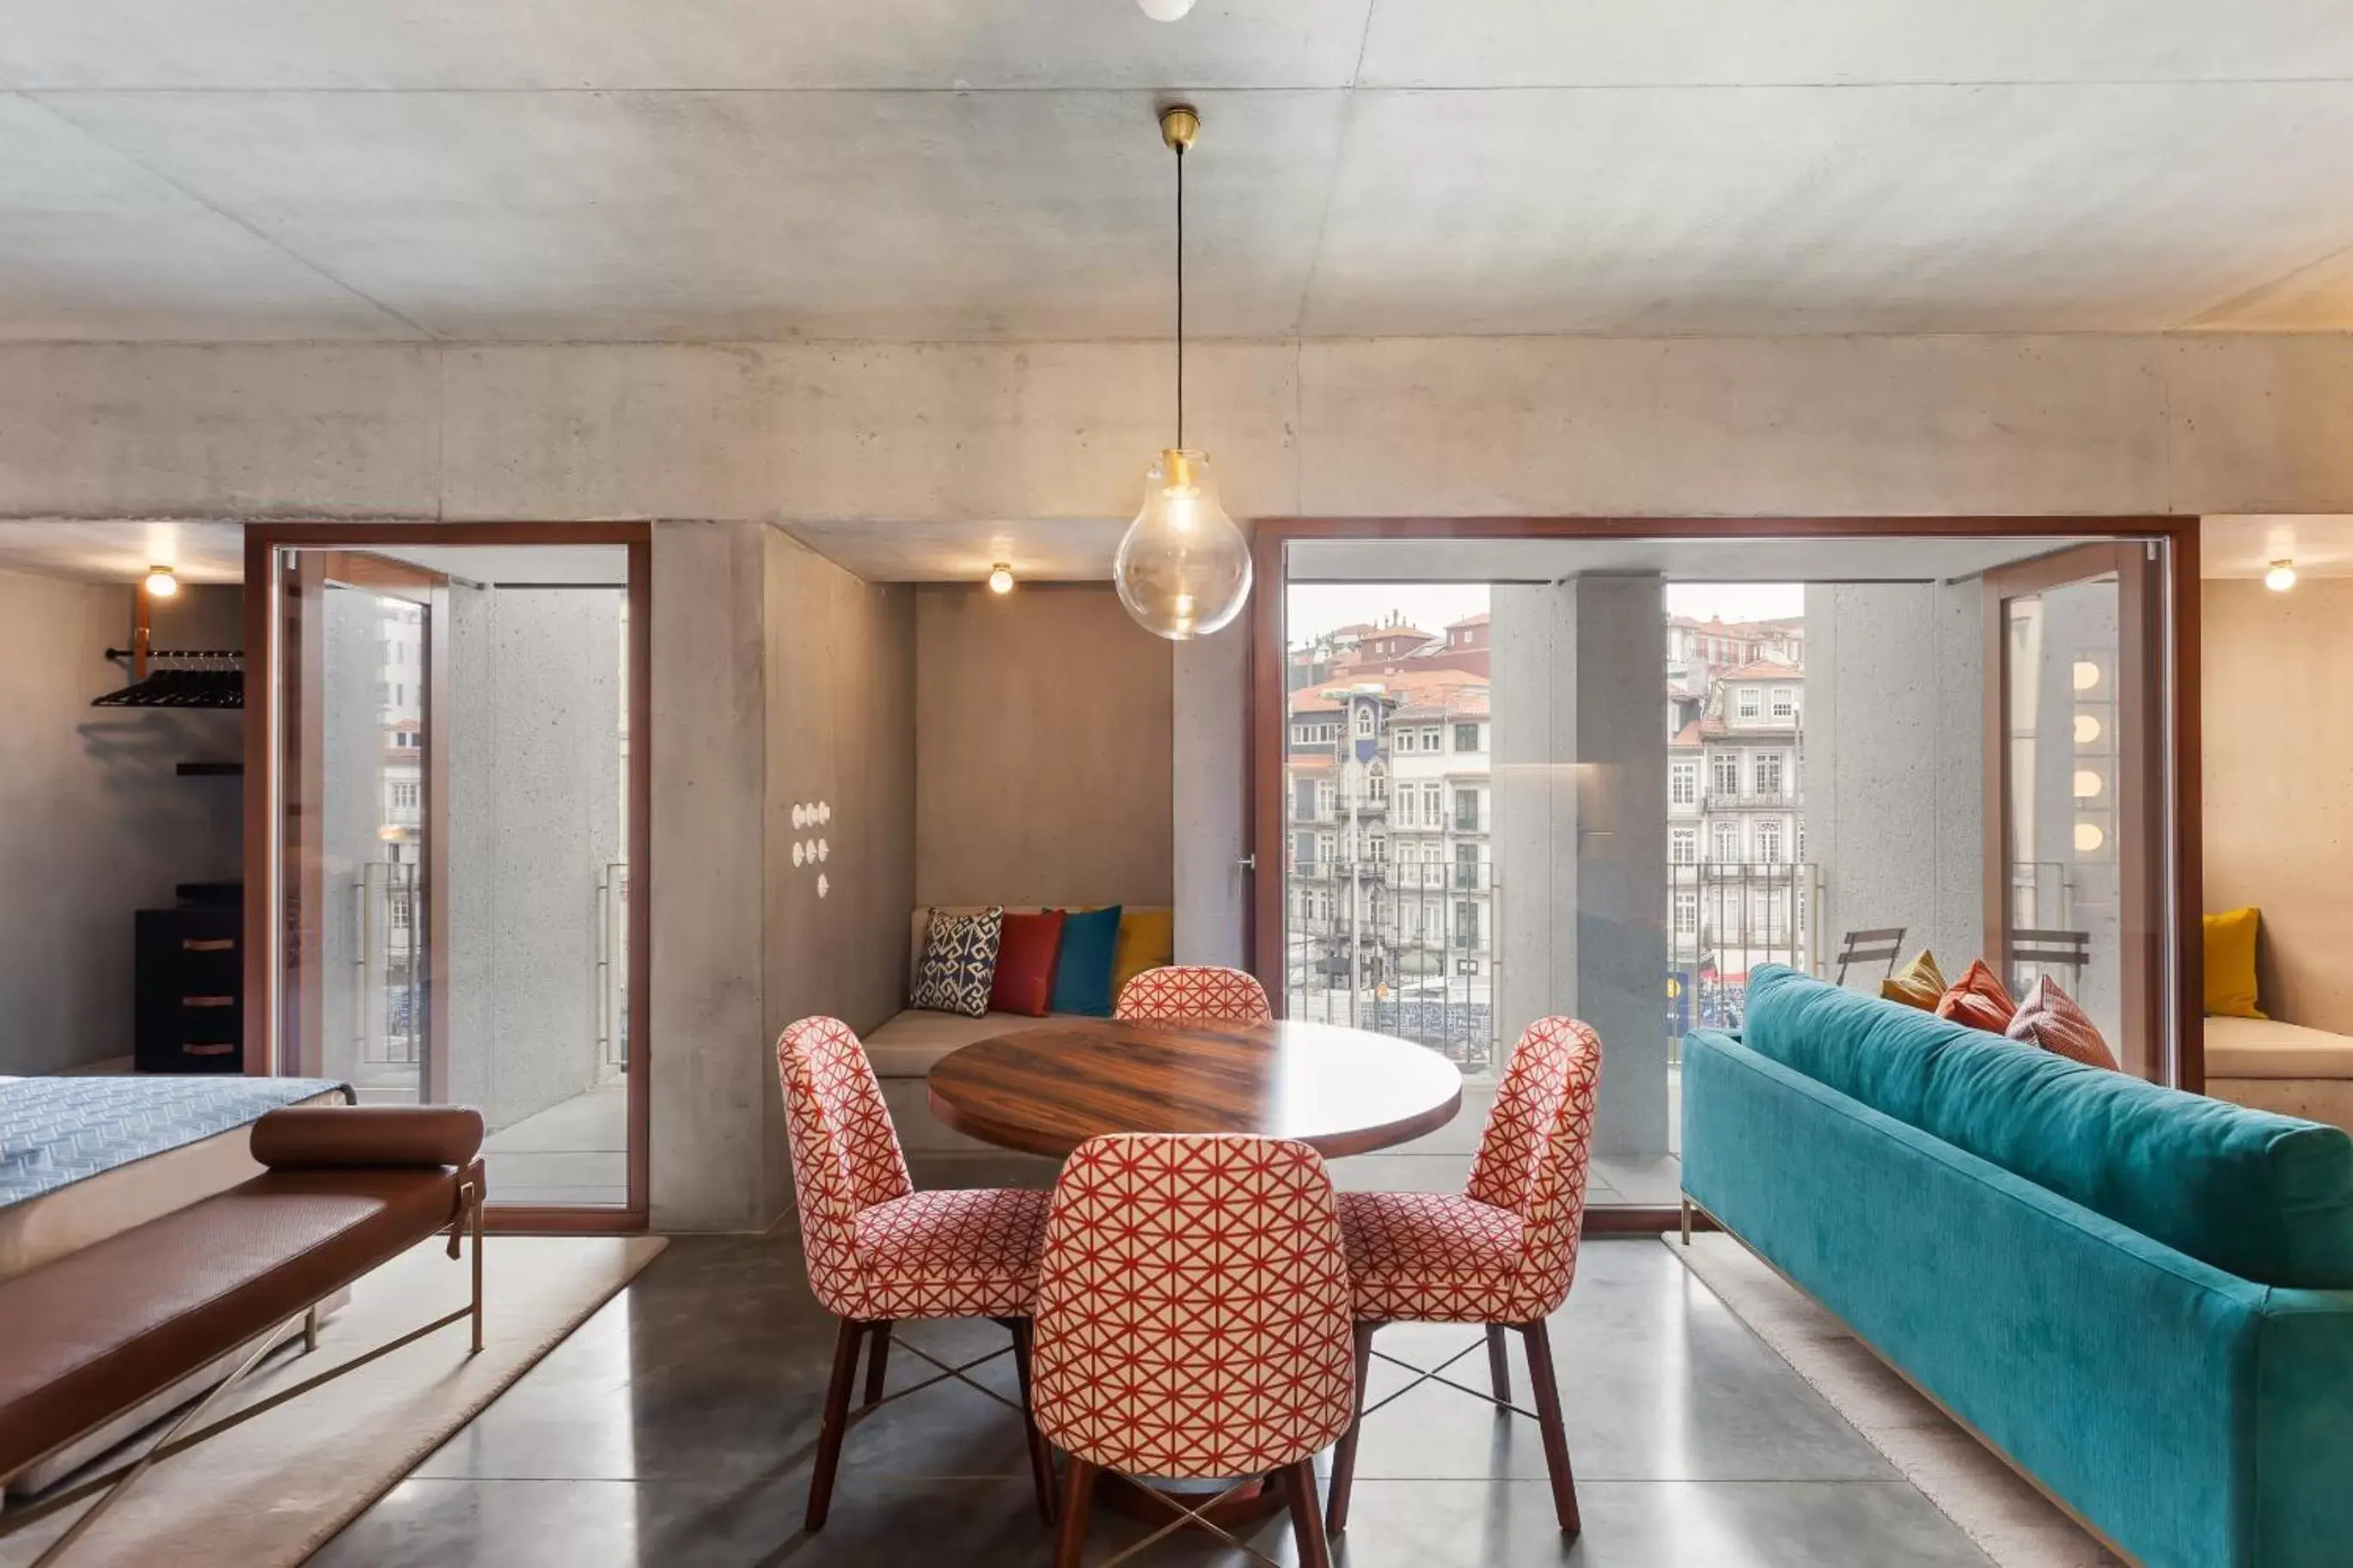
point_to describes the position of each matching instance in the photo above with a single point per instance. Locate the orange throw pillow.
(1919, 983)
(1979, 999)
(2050, 1018)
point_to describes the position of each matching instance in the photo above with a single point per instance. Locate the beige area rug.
(270, 1492)
(1994, 1506)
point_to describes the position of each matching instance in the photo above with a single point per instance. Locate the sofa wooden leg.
(1078, 1498)
(1344, 1454)
(1556, 1436)
(1499, 1364)
(1306, 1516)
(836, 1420)
(877, 1359)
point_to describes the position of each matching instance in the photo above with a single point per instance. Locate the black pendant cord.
(1180, 297)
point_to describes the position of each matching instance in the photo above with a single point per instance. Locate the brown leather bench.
(99, 1331)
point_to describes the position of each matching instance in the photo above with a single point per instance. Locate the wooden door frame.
(2177, 776)
(269, 615)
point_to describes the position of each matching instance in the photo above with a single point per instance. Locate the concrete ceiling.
(123, 551)
(1880, 559)
(947, 169)
(2246, 546)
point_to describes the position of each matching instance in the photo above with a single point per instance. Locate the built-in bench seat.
(2285, 1067)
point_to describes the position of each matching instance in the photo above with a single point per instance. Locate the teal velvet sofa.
(2142, 1299)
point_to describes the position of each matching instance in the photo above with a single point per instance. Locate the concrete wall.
(778, 677)
(1044, 768)
(2279, 785)
(535, 817)
(1211, 793)
(94, 823)
(1895, 762)
(911, 432)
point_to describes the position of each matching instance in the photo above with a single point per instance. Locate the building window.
(1683, 784)
(1727, 772)
(1686, 914)
(1466, 867)
(1431, 738)
(1745, 702)
(1466, 811)
(1380, 849)
(1303, 800)
(1434, 812)
(1466, 737)
(1726, 847)
(1323, 799)
(1406, 739)
(1785, 702)
(404, 793)
(1768, 774)
(1376, 782)
(1323, 845)
(1364, 721)
(1466, 923)
(1683, 846)
(1303, 850)
(1768, 843)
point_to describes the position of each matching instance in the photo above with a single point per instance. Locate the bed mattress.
(85, 1158)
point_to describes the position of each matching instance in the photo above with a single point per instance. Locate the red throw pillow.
(1025, 964)
(1979, 999)
(2050, 1018)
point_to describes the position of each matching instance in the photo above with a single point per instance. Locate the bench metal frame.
(177, 1437)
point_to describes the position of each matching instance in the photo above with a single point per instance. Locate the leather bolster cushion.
(355, 1137)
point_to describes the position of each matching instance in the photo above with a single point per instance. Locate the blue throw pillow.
(1082, 974)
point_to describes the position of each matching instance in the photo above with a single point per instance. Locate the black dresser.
(190, 1015)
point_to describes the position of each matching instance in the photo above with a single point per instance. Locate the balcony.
(1787, 799)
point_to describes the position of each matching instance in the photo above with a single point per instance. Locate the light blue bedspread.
(55, 1131)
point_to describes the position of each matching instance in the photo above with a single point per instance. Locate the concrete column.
(1212, 791)
(1580, 800)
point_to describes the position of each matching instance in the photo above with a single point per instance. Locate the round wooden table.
(1049, 1090)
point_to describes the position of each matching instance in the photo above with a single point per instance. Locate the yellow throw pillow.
(2230, 963)
(1147, 940)
(1919, 983)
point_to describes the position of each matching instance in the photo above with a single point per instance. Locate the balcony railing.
(1404, 948)
(1726, 919)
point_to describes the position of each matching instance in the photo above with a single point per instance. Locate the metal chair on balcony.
(1882, 944)
(2068, 949)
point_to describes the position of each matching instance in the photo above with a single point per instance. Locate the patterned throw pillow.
(2049, 1018)
(959, 963)
(1919, 983)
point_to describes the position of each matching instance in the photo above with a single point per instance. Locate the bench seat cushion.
(912, 1043)
(2265, 1048)
(104, 1328)
(2263, 1196)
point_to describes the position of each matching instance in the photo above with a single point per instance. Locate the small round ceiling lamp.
(2280, 577)
(1183, 568)
(1000, 578)
(162, 582)
(1166, 10)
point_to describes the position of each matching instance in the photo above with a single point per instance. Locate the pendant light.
(1183, 568)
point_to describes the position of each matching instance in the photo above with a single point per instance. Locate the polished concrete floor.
(675, 1429)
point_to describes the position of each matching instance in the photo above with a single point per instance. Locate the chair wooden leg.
(1041, 1460)
(836, 1420)
(1499, 1364)
(1078, 1498)
(1306, 1518)
(1547, 1391)
(1344, 1454)
(877, 1359)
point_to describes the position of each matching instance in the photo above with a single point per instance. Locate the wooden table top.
(1048, 1090)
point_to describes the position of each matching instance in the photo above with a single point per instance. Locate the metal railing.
(1725, 918)
(1405, 949)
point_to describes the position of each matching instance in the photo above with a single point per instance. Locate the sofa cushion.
(1919, 983)
(2231, 942)
(1147, 940)
(1026, 954)
(2051, 1019)
(1979, 999)
(1083, 978)
(959, 963)
(2265, 1198)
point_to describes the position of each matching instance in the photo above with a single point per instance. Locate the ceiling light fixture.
(1000, 578)
(2280, 577)
(1183, 568)
(160, 583)
(1166, 10)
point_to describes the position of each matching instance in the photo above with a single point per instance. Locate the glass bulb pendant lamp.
(1183, 568)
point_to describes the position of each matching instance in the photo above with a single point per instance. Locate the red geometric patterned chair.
(1183, 990)
(1193, 1322)
(879, 1251)
(1501, 1254)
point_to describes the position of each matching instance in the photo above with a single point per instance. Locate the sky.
(1317, 608)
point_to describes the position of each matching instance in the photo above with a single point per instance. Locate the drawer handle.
(207, 1001)
(220, 1050)
(207, 945)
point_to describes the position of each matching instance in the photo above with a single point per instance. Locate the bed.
(2286, 1067)
(84, 1158)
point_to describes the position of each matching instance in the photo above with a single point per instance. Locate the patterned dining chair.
(1501, 1254)
(1179, 992)
(1193, 1323)
(879, 1252)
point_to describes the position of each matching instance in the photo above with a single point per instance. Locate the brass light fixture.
(162, 582)
(1000, 577)
(1183, 568)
